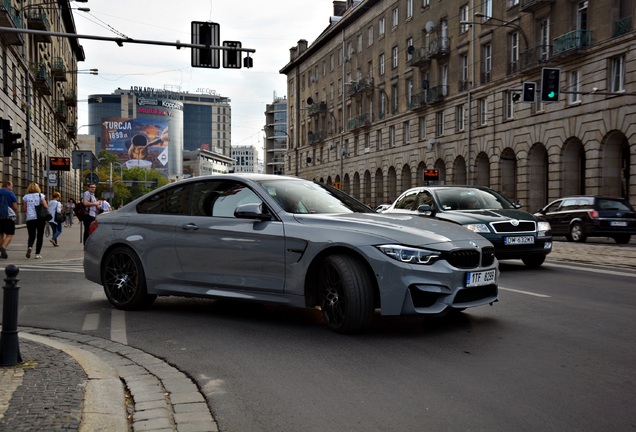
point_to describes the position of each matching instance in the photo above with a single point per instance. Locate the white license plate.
(618, 223)
(519, 240)
(485, 277)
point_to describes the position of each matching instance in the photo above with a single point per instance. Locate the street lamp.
(501, 23)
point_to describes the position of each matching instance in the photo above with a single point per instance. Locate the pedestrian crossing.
(62, 266)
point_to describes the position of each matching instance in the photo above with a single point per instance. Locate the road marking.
(67, 266)
(118, 326)
(524, 292)
(582, 267)
(91, 322)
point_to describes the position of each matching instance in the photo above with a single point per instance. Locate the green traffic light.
(551, 95)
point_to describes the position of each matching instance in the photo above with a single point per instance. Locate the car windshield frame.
(455, 198)
(299, 196)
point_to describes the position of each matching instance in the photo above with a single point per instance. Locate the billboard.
(137, 142)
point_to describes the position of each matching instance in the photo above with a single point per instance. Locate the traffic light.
(205, 33)
(550, 81)
(10, 141)
(232, 59)
(529, 92)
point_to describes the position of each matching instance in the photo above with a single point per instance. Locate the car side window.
(553, 207)
(424, 198)
(569, 204)
(230, 196)
(171, 201)
(407, 201)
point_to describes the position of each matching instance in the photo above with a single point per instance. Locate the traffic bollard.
(9, 346)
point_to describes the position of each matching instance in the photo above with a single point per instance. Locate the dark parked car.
(580, 217)
(284, 240)
(516, 234)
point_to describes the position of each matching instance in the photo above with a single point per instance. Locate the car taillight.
(593, 214)
(92, 227)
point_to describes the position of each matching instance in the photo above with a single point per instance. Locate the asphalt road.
(555, 353)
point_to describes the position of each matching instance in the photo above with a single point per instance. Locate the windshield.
(303, 196)
(471, 199)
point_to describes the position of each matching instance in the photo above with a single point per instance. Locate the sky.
(270, 27)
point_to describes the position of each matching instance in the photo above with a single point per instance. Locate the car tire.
(346, 294)
(576, 233)
(533, 261)
(124, 280)
(622, 239)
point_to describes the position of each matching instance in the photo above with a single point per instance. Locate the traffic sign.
(92, 178)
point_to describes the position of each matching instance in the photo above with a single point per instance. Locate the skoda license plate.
(519, 240)
(485, 277)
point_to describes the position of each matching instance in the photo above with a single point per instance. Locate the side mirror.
(251, 211)
(425, 210)
(517, 204)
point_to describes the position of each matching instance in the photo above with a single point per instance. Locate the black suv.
(579, 217)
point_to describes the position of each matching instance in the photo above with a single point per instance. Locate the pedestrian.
(55, 207)
(105, 206)
(92, 206)
(70, 205)
(35, 225)
(8, 210)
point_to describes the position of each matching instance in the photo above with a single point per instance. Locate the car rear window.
(612, 204)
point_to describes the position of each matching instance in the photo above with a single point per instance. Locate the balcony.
(534, 57)
(485, 77)
(622, 26)
(315, 137)
(9, 17)
(360, 121)
(60, 111)
(42, 79)
(419, 57)
(317, 108)
(533, 5)
(58, 69)
(36, 20)
(462, 85)
(361, 86)
(436, 94)
(62, 143)
(572, 42)
(70, 98)
(418, 100)
(439, 48)
(71, 130)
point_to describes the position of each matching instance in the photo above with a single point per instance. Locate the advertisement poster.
(137, 142)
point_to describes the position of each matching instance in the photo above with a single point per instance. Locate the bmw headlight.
(478, 228)
(409, 254)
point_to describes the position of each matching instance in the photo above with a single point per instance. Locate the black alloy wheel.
(124, 280)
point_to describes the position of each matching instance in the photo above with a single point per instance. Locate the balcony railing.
(532, 5)
(60, 110)
(622, 26)
(439, 47)
(71, 130)
(70, 98)
(419, 57)
(535, 56)
(36, 20)
(9, 17)
(485, 77)
(418, 100)
(317, 108)
(315, 137)
(42, 81)
(572, 41)
(436, 93)
(58, 69)
(360, 86)
(62, 143)
(360, 121)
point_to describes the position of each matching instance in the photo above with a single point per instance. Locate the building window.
(394, 57)
(406, 131)
(426, 3)
(394, 99)
(487, 9)
(422, 127)
(483, 112)
(381, 28)
(331, 63)
(574, 85)
(513, 39)
(544, 29)
(409, 50)
(381, 64)
(439, 123)
(378, 140)
(370, 35)
(463, 72)
(617, 83)
(409, 92)
(463, 17)
(396, 15)
(512, 3)
(460, 118)
(367, 142)
(359, 43)
(391, 136)
(409, 9)
(508, 104)
(340, 56)
(486, 63)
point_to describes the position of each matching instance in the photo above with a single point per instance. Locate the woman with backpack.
(55, 208)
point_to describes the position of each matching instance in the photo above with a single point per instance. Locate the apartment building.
(39, 93)
(276, 142)
(391, 88)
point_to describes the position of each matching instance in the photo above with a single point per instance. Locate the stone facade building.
(393, 87)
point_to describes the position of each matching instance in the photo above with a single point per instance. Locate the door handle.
(190, 227)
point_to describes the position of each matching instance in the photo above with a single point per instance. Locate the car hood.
(465, 217)
(399, 228)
